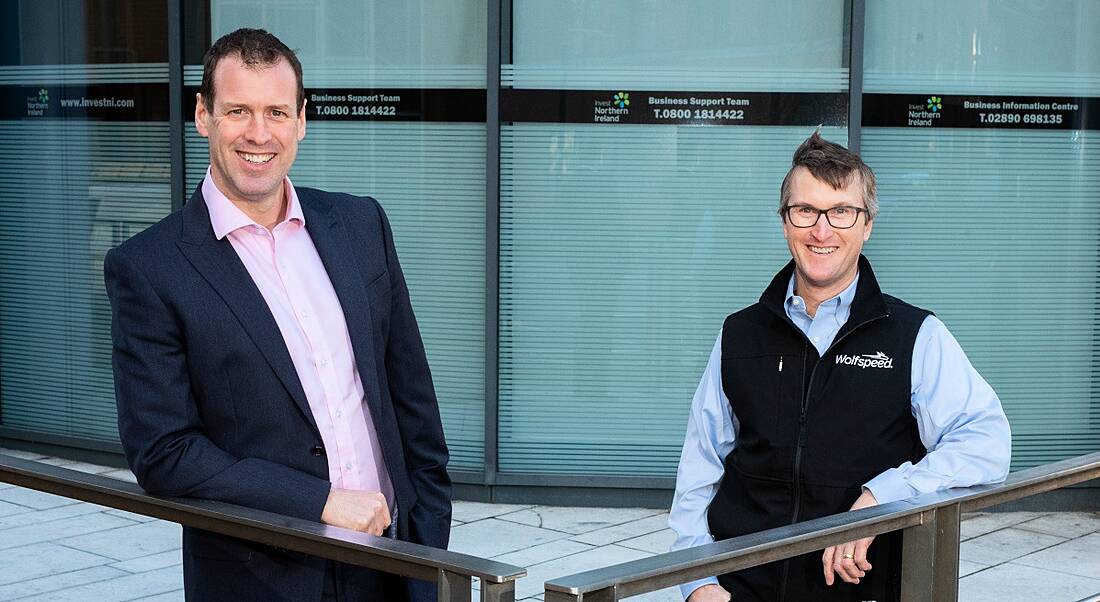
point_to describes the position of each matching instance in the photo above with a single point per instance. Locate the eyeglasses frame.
(825, 212)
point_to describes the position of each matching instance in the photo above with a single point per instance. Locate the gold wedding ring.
(848, 556)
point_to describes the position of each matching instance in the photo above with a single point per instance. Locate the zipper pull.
(781, 363)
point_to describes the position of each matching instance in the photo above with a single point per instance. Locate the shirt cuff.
(687, 588)
(890, 486)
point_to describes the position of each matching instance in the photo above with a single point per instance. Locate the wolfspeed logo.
(878, 360)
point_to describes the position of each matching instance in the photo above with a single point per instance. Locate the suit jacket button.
(317, 450)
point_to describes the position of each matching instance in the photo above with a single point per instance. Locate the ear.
(201, 115)
(867, 230)
(302, 121)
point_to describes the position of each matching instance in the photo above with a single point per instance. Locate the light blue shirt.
(960, 420)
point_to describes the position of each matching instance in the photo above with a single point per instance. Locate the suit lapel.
(334, 246)
(220, 266)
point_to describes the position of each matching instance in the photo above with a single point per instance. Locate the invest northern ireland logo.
(925, 113)
(878, 360)
(611, 111)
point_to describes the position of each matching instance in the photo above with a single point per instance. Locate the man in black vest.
(828, 395)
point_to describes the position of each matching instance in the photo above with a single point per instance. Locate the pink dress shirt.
(286, 268)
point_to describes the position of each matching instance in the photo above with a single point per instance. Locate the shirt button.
(348, 466)
(816, 339)
(339, 413)
(303, 313)
(317, 450)
(796, 302)
(323, 363)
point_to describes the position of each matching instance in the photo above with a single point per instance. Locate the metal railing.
(451, 571)
(930, 525)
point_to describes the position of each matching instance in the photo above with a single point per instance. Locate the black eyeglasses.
(805, 216)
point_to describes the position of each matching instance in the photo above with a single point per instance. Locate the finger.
(848, 570)
(861, 553)
(827, 564)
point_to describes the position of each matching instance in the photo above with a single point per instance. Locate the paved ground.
(54, 548)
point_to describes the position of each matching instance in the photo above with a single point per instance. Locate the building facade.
(581, 191)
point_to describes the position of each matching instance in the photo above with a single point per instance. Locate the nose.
(258, 132)
(821, 229)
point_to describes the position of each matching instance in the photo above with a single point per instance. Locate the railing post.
(498, 592)
(453, 587)
(930, 557)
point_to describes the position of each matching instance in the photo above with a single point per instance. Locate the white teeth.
(251, 158)
(823, 250)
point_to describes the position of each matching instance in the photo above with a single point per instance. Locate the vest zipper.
(802, 437)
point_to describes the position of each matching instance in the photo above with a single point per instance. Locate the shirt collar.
(839, 306)
(225, 217)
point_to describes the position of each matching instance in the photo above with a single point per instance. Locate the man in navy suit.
(266, 353)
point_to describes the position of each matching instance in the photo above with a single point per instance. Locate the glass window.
(989, 215)
(426, 165)
(84, 165)
(624, 245)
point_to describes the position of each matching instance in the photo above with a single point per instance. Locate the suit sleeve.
(159, 424)
(413, 395)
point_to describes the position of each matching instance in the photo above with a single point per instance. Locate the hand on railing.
(849, 560)
(709, 593)
(364, 511)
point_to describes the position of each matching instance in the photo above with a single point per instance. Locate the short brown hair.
(256, 48)
(833, 164)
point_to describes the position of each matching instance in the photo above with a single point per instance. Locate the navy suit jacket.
(210, 405)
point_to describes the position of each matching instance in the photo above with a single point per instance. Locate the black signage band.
(385, 104)
(988, 111)
(674, 108)
(98, 102)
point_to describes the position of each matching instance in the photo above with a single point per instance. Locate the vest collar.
(868, 303)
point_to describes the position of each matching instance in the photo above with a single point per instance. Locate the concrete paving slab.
(544, 553)
(34, 517)
(89, 468)
(8, 508)
(979, 523)
(58, 581)
(969, 568)
(468, 512)
(1064, 524)
(1014, 582)
(119, 589)
(151, 562)
(176, 596)
(121, 475)
(1074, 557)
(21, 454)
(1005, 545)
(138, 518)
(34, 499)
(60, 529)
(636, 528)
(657, 542)
(131, 541)
(42, 559)
(56, 461)
(577, 520)
(537, 575)
(493, 537)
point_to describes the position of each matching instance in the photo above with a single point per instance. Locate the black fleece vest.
(813, 429)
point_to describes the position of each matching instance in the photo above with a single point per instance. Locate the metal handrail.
(451, 571)
(930, 541)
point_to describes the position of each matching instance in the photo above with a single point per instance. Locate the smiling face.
(253, 131)
(826, 258)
